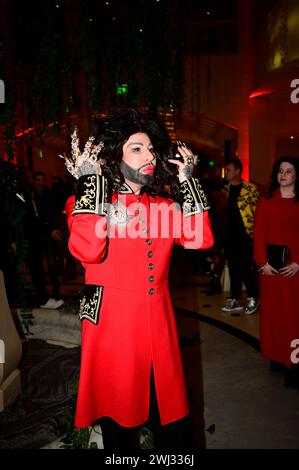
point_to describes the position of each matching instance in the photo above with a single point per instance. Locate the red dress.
(136, 330)
(277, 223)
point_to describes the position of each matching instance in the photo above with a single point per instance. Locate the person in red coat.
(276, 233)
(123, 232)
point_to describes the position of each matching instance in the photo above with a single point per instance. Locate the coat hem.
(85, 424)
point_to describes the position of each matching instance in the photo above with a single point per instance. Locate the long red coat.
(277, 223)
(136, 329)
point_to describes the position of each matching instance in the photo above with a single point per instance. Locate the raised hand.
(185, 167)
(85, 163)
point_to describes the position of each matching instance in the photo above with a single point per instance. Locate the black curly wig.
(115, 130)
(274, 181)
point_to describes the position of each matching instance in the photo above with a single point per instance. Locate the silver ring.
(189, 160)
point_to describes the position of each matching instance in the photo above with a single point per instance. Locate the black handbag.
(278, 256)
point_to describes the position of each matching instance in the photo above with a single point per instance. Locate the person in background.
(70, 263)
(276, 230)
(43, 220)
(12, 240)
(218, 215)
(242, 199)
(131, 367)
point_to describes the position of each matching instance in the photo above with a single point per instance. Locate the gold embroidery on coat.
(90, 306)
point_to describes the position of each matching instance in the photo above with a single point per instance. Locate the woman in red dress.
(123, 232)
(277, 225)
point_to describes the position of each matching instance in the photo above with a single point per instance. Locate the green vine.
(74, 438)
(69, 55)
(65, 57)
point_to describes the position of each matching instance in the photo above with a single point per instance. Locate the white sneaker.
(52, 304)
(251, 306)
(232, 305)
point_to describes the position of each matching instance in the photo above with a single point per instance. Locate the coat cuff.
(91, 196)
(193, 198)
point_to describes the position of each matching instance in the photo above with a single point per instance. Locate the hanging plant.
(68, 57)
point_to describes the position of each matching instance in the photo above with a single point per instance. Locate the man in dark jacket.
(43, 235)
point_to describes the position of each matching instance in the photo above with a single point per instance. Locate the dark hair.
(116, 129)
(274, 181)
(39, 173)
(236, 162)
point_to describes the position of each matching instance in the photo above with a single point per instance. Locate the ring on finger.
(189, 160)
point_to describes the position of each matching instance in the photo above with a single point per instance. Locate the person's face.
(231, 172)
(286, 174)
(39, 183)
(138, 154)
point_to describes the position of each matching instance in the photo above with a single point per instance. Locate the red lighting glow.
(259, 93)
(217, 121)
(27, 131)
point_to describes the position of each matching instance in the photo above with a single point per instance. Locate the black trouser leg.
(250, 280)
(37, 272)
(292, 376)
(248, 271)
(241, 269)
(173, 436)
(54, 278)
(234, 275)
(53, 270)
(116, 437)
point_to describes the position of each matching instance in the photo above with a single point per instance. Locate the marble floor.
(245, 404)
(192, 297)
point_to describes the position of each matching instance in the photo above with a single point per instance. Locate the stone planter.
(10, 352)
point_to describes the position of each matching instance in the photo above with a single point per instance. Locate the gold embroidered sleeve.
(91, 196)
(192, 197)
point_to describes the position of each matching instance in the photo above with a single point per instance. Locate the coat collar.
(245, 186)
(125, 189)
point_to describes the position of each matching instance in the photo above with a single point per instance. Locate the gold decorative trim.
(193, 198)
(125, 189)
(90, 303)
(247, 202)
(91, 195)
